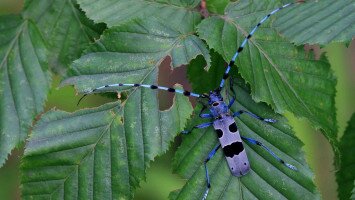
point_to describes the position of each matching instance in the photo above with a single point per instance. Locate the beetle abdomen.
(231, 142)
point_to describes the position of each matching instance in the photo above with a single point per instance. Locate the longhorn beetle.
(223, 123)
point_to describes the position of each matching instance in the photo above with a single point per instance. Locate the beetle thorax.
(217, 106)
(218, 109)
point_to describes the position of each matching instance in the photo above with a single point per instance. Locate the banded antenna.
(241, 47)
(154, 87)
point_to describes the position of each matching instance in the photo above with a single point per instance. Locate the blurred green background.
(159, 176)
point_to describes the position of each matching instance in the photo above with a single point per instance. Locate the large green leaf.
(130, 53)
(99, 153)
(346, 175)
(64, 27)
(319, 22)
(280, 74)
(268, 178)
(117, 12)
(24, 80)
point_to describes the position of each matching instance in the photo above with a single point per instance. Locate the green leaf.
(318, 22)
(353, 193)
(24, 80)
(268, 178)
(280, 74)
(201, 80)
(345, 176)
(64, 27)
(117, 12)
(216, 6)
(146, 44)
(136, 60)
(99, 153)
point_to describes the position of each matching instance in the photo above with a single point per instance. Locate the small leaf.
(99, 153)
(64, 27)
(280, 74)
(119, 12)
(202, 80)
(24, 80)
(216, 6)
(318, 22)
(268, 178)
(346, 176)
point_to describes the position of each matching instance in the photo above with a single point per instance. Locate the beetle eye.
(215, 104)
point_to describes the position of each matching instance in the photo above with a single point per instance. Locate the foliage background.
(161, 181)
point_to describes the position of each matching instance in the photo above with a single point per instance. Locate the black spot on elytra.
(233, 128)
(219, 133)
(233, 149)
(215, 104)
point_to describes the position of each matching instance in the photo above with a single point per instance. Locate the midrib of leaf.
(15, 106)
(13, 42)
(11, 46)
(25, 70)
